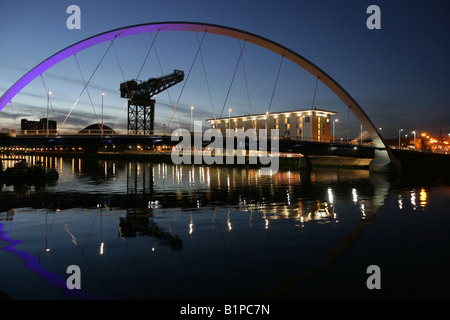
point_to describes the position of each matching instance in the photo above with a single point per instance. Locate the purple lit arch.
(383, 158)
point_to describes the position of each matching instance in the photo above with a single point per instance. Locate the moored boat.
(24, 171)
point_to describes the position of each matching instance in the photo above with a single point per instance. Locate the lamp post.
(229, 118)
(48, 101)
(103, 94)
(361, 134)
(399, 132)
(192, 117)
(334, 129)
(414, 139)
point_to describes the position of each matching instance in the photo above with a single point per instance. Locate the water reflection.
(143, 187)
(297, 195)
(106, 183)
(179, 221)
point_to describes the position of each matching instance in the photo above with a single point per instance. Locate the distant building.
(310, 124)
(97, 129)
(35, 127)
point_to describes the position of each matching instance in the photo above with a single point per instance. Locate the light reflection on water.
(159, 231)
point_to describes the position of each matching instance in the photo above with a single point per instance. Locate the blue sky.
(398, 74)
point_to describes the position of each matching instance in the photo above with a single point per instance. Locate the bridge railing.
(93, 132)
(96, 132)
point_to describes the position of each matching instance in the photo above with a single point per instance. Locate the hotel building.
(310, 124)
(35, 127)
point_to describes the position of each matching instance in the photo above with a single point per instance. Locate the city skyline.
(397, 73)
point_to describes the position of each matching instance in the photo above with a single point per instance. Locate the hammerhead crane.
(141, 102)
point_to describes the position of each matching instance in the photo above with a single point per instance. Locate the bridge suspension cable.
(148, 53)
(90, 78)
(184, 84)
(120, 115)
(308, 124)
(47, 93)
(232, 79)
(168, 92)
(84, 82)
(276, 82)
(246, 83)
(314, 95)
(12, 114)
(206, 77)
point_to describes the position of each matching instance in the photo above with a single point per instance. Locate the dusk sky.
(399, 74)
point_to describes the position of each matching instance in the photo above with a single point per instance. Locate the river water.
(139, 230)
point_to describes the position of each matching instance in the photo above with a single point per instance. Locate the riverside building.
(309, 125)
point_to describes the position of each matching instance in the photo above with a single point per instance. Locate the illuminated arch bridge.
(383, 156)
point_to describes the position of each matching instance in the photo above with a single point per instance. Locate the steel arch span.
(383, 155)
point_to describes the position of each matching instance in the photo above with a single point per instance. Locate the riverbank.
(412, 161)
(286, 161)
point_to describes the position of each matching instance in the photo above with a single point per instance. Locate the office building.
(35, 127)
(309, 124)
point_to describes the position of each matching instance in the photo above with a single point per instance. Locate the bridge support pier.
(304, 163)
(384, 162)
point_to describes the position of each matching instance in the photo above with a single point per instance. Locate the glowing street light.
(399, 131)
(48, 101)
(414, 139)
(334, 128)
(192, 117)
(103, 94)
(229, 118)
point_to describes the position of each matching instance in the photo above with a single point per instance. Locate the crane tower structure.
(141, 100)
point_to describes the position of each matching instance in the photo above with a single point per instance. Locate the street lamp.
(334, 128)
(103, 94)
(229, 118)
(399, 131)
(414, 139)
(192, 117)
(48, 101)
(361, 134)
